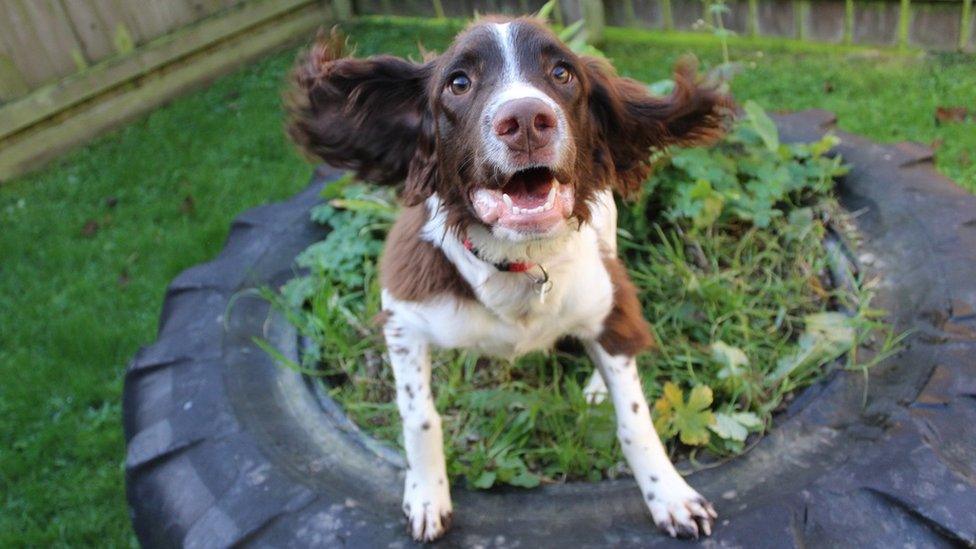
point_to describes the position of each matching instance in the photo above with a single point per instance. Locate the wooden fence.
(42, 41)
(70, 69)
(928, 24)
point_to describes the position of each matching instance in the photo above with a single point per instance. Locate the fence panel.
(42, 41)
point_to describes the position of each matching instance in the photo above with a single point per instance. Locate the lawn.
(88, 245)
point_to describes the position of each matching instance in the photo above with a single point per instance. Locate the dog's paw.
(595, 390)
(428, 509)
(679, 511)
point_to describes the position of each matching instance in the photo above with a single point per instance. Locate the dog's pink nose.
(525, 124)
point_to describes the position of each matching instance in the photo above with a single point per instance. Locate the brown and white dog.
(510, 146)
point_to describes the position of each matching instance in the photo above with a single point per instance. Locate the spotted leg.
(426, 495)
(595, 390)
(676, 507)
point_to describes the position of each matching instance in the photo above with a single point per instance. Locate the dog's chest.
(511, 318)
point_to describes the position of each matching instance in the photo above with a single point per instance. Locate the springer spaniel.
(510, 146)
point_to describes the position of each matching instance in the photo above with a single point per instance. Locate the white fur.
(508, 320)
(671, 501)
(513, 86)
(426, 493)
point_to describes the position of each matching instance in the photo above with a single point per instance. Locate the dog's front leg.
(676, 507)
(426, 495)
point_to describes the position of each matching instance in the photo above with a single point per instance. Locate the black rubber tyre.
(224, 447)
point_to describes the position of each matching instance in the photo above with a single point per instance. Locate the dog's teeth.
(508, 200)
(551, 199)
(516, 210)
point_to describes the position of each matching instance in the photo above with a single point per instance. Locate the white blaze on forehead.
(503, 33)
(513, 86)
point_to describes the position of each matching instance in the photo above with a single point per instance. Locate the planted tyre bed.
(226, 447)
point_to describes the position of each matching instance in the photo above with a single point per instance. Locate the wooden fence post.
(904, 22)
(594, 20)
(849, 21)
(342, 9)
(629, 14)
(438, 9)
(666, 15)
(964, 24)
(12, 83)
(753, 25)
(801, 14)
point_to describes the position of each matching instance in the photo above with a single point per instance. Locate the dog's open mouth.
(531, 201)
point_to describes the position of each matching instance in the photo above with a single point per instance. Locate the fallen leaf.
(111, 202)
(188, 206)
(951, 114)
(827, 336)
(828, 87)
(689, 420)
(90, 228)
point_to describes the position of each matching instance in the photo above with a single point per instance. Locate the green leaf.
(689, 420)
(728, 428)
(338, 187)
(827, 336)
(360, 205)
(748, 420)
(735, 426)
(525, 479)
(824, 145)
(570, 32)
(485, 480)
(298, 290)
(546, 10)
(763, 124)
(732, 360)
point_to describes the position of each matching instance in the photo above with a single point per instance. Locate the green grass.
(876, 93)
(74, 308)
(77, 303)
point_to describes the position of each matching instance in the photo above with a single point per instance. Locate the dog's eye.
(460, 84)
(561, 74)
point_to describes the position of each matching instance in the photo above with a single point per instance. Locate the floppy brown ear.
(360, 114)
(633, 123)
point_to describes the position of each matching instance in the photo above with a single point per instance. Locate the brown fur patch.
(413, 269)
(625, 332)
(381, 318)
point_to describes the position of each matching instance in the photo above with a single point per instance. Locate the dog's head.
(509, 127)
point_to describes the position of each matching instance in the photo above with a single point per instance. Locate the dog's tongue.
(529, 188)
(532, 202)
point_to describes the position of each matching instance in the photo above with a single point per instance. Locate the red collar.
(517, 267)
